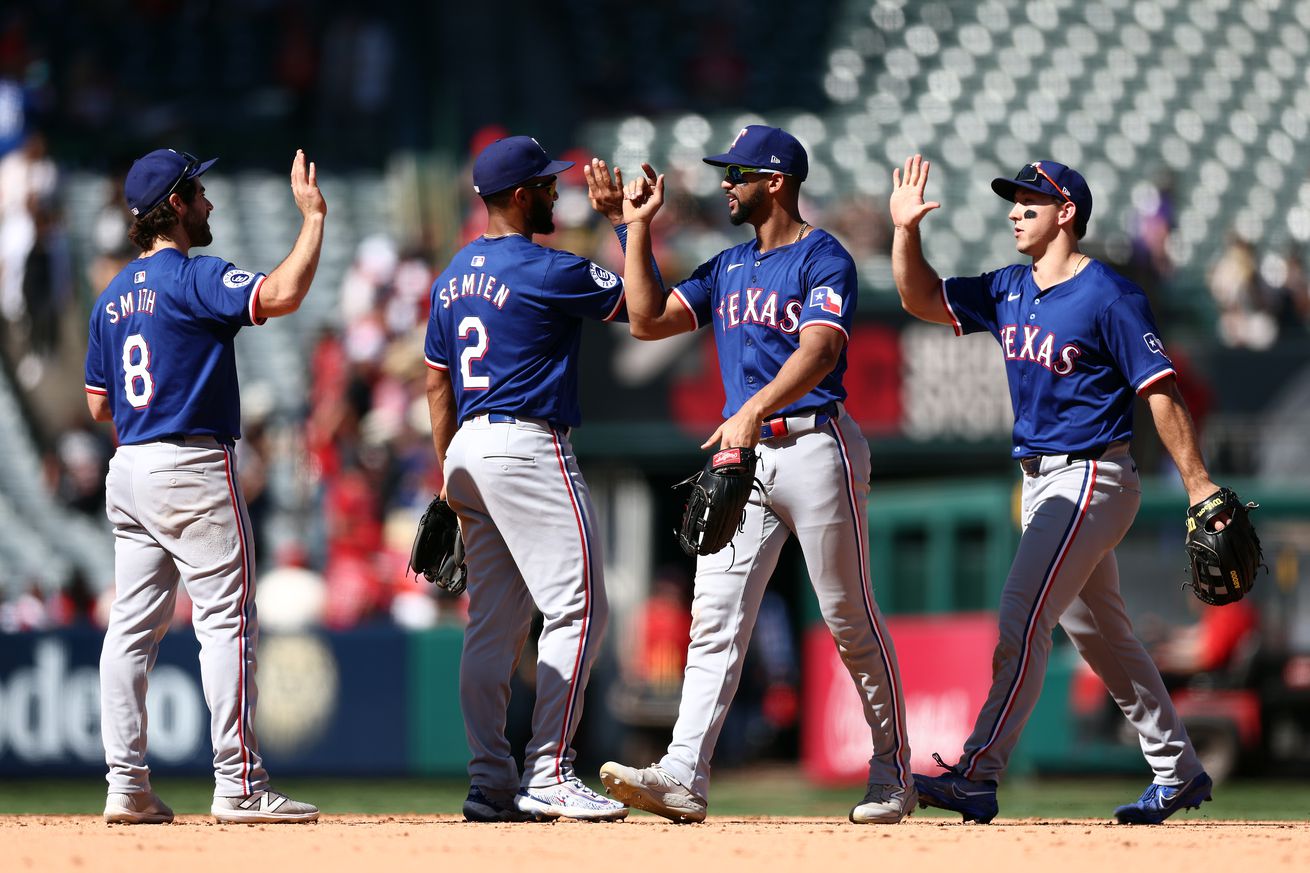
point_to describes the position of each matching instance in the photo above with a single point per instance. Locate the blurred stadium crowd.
(336, 460)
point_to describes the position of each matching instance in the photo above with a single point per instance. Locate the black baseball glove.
(1223, 563)
(717, 502)
(438, 553)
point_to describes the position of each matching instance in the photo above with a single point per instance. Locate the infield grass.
(772, 792)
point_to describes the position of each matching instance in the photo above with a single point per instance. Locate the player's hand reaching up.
(907, 205)
(605, 191)
(304, 187)
(643, 197)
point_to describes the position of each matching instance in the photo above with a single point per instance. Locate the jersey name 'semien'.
(507, 323)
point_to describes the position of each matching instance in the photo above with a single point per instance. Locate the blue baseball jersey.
(506, 322)
(160, 346)
(1075, 354)
(760, 303)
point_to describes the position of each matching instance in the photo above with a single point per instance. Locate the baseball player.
(160, 364)
(781, 308)
(502, 348)
(1079, 342)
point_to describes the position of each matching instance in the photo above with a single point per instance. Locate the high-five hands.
(907, 205)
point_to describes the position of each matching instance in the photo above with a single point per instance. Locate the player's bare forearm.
(916, 281)
(1178, 434)
(98, 404)
(441, 411)
(819, 350)
(652, 314)
(285, 287)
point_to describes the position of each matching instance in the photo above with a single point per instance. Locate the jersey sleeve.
(223, 293)
(830, 287)
(970, 301)
(434, 341)
(696, 293)
(584, 289)
(96, 383)
(1133, 341)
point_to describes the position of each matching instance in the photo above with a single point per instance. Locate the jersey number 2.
(475, 352)
(137, 374)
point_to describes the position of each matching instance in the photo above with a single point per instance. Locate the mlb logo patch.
(139, 277)
(478, 260)
(826, 299)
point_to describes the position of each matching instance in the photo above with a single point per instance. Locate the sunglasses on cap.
(736, 174)
(191, 163)
(548, 184)
(1031, 172)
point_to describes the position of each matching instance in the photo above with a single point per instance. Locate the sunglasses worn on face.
(736, 173)
(1030, 174)
(548, 184)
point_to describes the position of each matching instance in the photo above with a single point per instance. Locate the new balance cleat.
(488, 805)
(262, 807)
(653, 790)
(1158, 802)
(143, 807)
(975, 800)
(568, 799)
(885, 804)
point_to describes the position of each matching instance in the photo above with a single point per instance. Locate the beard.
(541, 217)
(745, 207)
(197, 228)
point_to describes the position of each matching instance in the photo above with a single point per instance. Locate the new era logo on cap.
(758, 145)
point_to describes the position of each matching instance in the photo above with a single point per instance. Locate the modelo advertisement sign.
(327, 704)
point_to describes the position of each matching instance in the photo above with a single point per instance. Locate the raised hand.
(605, 191)
(643, 197)
(907, 205)
(304, 187)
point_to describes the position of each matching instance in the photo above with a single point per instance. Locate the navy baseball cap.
(155, 176)
(765, 148)
(510, 161)
(1054, 180)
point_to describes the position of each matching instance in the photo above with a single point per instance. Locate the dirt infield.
(385, 844)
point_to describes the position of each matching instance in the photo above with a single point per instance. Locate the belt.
(197, 439)
(800, 421)
(504, 418)
(1032, 464)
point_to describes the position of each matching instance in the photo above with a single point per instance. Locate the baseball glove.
(717, 502)
(1223, 563)
(438, 552)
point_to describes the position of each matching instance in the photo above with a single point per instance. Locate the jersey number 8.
(137, 373)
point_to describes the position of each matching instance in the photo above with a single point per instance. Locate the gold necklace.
(1081, 262)
(800, 233)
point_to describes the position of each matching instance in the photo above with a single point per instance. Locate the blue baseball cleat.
(976, 801)
(1158, 802)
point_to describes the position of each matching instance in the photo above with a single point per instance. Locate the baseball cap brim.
(554, 168)
(204, 165)
(1006, 188)
(724, 160)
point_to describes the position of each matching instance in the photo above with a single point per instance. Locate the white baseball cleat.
(142, 807)
(568, 799)
(653, 790)
(885, 804)
(262, 807)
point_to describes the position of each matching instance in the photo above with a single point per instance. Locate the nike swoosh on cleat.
(965, 795)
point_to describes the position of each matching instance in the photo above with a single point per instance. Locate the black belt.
(1032, 464)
